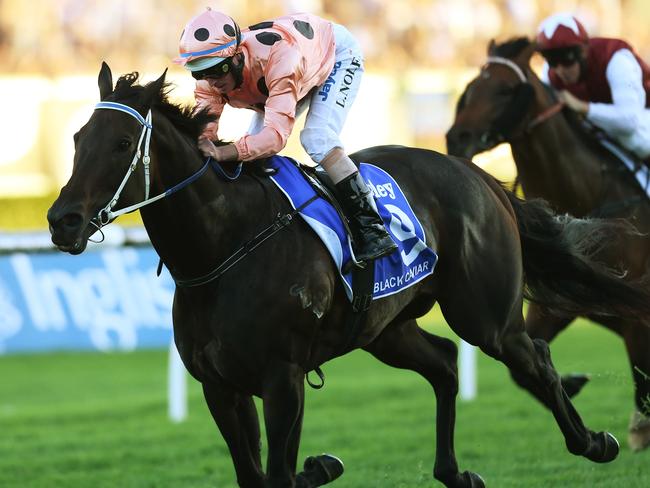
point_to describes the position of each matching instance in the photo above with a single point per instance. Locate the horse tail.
(560, 267)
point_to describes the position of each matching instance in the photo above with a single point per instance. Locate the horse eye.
(123, 145)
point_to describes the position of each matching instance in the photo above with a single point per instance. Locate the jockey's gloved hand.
(207, 147)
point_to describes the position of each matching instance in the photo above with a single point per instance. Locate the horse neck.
(554, 162)
(197, 227)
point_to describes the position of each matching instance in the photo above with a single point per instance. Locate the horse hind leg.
(637, 343)
(530, 364)
(405, 345)
(541, 323)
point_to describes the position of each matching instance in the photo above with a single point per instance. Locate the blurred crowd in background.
(420, 54)
(71, 36)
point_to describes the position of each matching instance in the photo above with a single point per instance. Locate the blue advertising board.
(100, 300)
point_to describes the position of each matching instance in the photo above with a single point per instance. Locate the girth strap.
(363, 282)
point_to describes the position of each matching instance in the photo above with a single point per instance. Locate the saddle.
(317, 178)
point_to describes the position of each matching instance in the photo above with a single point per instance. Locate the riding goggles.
(565, 57)
(217, 71)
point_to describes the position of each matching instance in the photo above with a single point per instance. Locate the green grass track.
(99, 420)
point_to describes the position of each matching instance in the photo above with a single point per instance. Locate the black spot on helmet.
(201, 34)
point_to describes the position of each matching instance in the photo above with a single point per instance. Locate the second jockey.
(604, 79)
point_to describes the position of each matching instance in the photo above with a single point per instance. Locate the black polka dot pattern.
(261, 86)
(304, 28)
(229, 30)
(268, 38)
(262, 25)
(201, 34)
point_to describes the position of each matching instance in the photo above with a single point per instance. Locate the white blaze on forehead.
(552, 23)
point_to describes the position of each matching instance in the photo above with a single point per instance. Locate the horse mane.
(181, 117)
(512, 47)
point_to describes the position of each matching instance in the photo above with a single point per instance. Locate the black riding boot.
(370, 239)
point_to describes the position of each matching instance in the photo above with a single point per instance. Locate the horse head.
(496, 104)
(111, 161)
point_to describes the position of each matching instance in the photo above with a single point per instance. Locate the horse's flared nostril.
(72, 221)
(69, 223)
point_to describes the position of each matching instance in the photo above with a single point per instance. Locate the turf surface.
(99, 420)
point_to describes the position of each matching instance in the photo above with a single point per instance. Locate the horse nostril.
(71, 221)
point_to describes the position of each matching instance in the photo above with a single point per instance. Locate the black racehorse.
(249, 333)
(559, 161)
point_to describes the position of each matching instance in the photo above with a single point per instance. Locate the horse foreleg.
(283, 396)
(543, 324)
(406, 346)
(237, 419)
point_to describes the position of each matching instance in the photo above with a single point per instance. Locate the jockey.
(277, 68)
(603, 79)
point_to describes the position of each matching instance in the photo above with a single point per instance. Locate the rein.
(545, 115)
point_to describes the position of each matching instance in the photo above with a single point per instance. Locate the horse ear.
(155, 88)
(105, 81)
(491, 46)
(526, 53)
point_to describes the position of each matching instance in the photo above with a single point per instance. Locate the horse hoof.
(320, 470)
(606, 450)
(573, 383)
(638, 437)
(473, 480)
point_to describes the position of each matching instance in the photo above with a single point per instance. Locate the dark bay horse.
(558, 161)
(248, 333)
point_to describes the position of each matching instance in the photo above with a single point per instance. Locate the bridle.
(540, 118)
(107, 214)
(605, 209)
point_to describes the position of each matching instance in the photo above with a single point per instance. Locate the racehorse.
(248, 333)
(559, 161)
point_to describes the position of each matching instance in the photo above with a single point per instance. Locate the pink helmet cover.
(210, 36)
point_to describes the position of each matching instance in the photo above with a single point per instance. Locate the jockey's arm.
(279, 112)
(625, 77)
(543, 75)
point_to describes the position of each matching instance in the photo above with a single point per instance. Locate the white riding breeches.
(329, 104)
